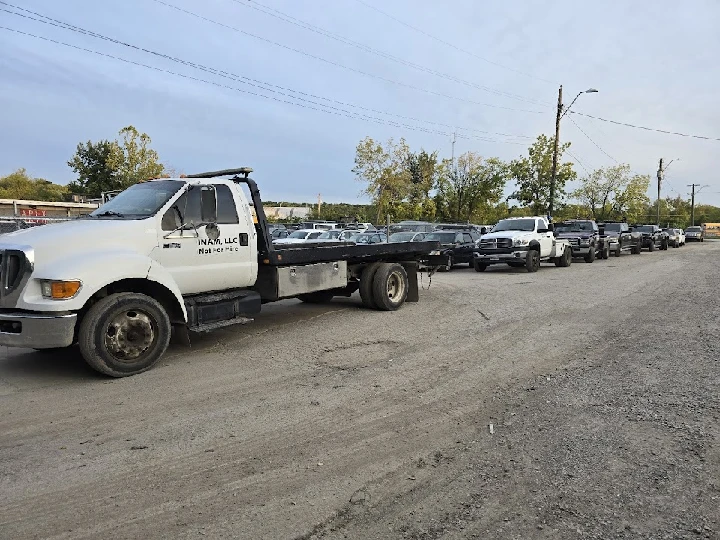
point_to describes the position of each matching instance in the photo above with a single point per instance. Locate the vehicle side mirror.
(551, 227)
(208, 204)
(483, 230)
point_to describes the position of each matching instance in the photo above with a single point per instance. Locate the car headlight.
(435, 252)
(60, 290)
(517, 242)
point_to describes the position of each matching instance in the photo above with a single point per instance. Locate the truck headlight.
(585, 243)
(520, 242)
(60, 290)
(435, 252)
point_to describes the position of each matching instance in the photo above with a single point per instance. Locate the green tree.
(631, 202)
(533, 174)
(470, 188)
(597, 191)
(112, 165)
(20, 185)
(386, 174)
(423, 168)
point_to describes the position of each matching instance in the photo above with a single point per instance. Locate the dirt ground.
(601, 383)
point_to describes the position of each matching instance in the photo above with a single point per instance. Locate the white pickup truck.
(176, 252)
(522, 242)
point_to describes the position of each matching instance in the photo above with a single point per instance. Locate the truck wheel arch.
(148, 287)
(535, 245)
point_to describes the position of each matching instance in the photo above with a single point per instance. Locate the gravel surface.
(578, 402)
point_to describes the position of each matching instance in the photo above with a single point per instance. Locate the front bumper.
(501, 255)
(578, 251)
(37, 330)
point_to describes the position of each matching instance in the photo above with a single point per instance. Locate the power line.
(577, 160)
(272, 12)
(439, 40)
(337, 64)
(242, 79)
(647, 128)
(592, 141)
(348, 114)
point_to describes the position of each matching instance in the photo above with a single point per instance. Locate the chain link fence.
(11, 224)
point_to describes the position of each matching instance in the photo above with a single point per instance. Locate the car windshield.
(644, 229)
(402, 236)
(442, 237)
(139, 201)
(693, 229)
(613, 227)
(366, 239)
(298, 234)
(577, 226)
(515, 225)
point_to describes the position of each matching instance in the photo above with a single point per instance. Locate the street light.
(561, 111)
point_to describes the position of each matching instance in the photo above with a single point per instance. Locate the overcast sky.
(654, 64)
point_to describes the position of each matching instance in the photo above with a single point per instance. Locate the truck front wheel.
(124, 334)
(590, 255)
(532, 260)
(390, 287)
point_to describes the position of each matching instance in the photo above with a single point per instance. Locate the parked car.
(584, 237)
(415, 226)
(620, 237)
(333, 235)
(407, 236)
(369, 238)
(456, 246)
(277, 234)
(694, 234)
(347, 235)
(461, 227)
(652, 237)
(676, 238)
(300, 236)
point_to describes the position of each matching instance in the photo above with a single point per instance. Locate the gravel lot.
(601, 382)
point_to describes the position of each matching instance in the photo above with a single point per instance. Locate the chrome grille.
(496, 243)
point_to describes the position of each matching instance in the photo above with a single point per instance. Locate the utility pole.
(660, 172)
(555, 153)
(454, 139)
(319, 202)
(692, 204)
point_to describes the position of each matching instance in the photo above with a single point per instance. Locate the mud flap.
(411, 269)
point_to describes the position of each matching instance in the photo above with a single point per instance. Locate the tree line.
(402, 183)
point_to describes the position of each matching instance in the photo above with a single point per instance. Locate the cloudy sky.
(290, 87)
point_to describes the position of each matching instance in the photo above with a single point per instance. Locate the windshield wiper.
(109, 213)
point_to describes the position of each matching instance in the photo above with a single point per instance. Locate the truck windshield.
(515, 225)
(139, 201)
(693, 229)
(613, 227)
(580, 226)
(442, 237)
(645, 229)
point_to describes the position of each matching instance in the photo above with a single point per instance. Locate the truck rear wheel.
(366, 285)
(124, 334)
(652, 246)
(565, 259)
(390, 287)
(590, 255)
(532, 260)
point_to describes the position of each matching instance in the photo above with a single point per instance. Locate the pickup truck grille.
(496, 243)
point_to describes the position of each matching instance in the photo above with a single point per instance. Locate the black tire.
(317, 297)
(664, 244)
(565, 259)
(449, 265)
(479, 267)
(124, 334)
(702, 239)
(366, 285)
(652, 246)
(590, 256)
(532, 260)
(618, 251)
(605, 253)
(636, 249)
(390, 286)
(676, 244)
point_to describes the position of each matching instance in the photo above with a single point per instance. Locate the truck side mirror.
(208, 204)
(551, 227)
(483, 230)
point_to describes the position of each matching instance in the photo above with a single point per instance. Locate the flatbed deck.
(307, 253)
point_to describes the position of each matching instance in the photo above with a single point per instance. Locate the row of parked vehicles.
(517, 242)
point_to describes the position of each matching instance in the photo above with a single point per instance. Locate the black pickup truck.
(652, 237)
(584, 237)
(620, 237)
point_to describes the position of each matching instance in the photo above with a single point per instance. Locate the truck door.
(546, 239)
(202, 258)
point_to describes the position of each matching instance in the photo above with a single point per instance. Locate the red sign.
(30, 212)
